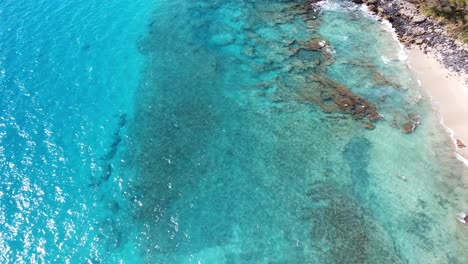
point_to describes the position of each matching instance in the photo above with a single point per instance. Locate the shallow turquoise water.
(196, 132)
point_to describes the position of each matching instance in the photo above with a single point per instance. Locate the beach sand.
(449, 94)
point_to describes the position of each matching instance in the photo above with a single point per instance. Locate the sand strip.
(449, 94)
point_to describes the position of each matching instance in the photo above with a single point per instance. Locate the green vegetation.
(454, 13)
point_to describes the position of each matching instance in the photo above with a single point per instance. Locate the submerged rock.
(335, 97)
(410, 126)
(313, 44)
(368, 125)
(389, 18)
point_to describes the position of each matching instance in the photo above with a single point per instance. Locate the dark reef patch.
(343, 232)
(333, 97)
(357, 154)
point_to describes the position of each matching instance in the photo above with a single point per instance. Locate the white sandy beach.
(449, 94)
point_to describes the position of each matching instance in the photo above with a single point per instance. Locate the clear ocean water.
(215, 131)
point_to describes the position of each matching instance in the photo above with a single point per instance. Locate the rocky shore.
(414, 28)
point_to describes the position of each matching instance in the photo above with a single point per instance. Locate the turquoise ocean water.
(215, 131)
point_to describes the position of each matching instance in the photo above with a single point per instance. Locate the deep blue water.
(216, 131)
(69, 70)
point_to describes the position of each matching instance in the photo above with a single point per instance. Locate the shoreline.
(438, 61)
(448, 93)
(414, 29)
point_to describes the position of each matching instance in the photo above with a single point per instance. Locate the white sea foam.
(461, 158)
(387, 26)
(385, 59)
(451, 134)
(403, 56)
(336, 6)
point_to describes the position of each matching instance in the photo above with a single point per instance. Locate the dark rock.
(405, 39)
(313, 44)
(409, 127)
(372, 8)
(460, 144)
(405, 15)
(418, 19)
(418, 31)
(335, 97)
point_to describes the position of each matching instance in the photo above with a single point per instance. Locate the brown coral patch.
(335, 97)
(410, 126)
